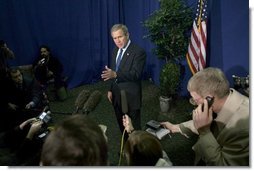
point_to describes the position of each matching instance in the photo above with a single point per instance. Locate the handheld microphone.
(92, 102)
(124, 103)
(124, 106)
(81, 99)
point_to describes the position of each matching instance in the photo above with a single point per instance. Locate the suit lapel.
(126, 55)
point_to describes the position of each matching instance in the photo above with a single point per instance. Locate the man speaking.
(125, 72)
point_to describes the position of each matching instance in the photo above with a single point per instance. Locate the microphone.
(124, 103)
(92, 102)
(81, 99)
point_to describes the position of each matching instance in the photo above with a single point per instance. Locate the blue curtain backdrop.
(78, 32)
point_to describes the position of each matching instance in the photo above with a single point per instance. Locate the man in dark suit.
(25, 99)
(128, 61)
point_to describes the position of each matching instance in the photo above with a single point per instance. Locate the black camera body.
(45, 118)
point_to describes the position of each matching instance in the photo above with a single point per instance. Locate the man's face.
(120, 38)
(44, 52)
(196, 98)
(17, 77)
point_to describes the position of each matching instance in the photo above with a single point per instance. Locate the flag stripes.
(196, 55)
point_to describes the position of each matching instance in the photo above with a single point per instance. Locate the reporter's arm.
(35, 127)
(173, 128)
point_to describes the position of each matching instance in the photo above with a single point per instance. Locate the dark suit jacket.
(129, 76)
(31, 91)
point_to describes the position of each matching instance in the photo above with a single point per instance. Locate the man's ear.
(128, 36)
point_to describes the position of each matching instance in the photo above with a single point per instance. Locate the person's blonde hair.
(209, 81)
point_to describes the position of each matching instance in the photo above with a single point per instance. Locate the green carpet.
(177, 147)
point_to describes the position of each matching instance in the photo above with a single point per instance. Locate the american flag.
(196, 55)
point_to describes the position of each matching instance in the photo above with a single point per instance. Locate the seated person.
(5, 54)
(27, 91)
(25, 99)
(224, 137)
(22, 142)
(47, 67)
(76, 141)
(143, 148)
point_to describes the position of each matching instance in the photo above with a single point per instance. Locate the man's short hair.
(209, 81)
(76, 141)
(120, 27)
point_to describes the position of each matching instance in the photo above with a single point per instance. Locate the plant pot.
(164, 103)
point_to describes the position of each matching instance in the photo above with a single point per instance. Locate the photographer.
(5, 81)
(25, 99)
(47, 67)
(22, 143)
(27, 92)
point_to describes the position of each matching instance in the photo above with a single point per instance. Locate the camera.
(45, 118)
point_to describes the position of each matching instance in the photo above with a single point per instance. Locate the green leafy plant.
(168, 27)
(170, 79)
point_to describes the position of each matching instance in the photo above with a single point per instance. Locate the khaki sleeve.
(187, 128)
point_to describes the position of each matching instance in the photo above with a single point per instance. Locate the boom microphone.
(124, 103)
(92, 102)
(81, 99)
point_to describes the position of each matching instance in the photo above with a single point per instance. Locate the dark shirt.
(30, 90)
(51, 64)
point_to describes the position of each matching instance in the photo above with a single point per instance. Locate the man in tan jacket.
(224, 139)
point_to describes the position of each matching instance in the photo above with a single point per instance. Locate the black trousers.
(135, 119)
(134, 114)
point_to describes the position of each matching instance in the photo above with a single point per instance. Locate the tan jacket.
(231, 146)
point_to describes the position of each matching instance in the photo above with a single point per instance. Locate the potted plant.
(169, 84)
(167, 29)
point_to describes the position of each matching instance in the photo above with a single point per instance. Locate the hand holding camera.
(44, 118)
(35, 128)
(25, 123)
